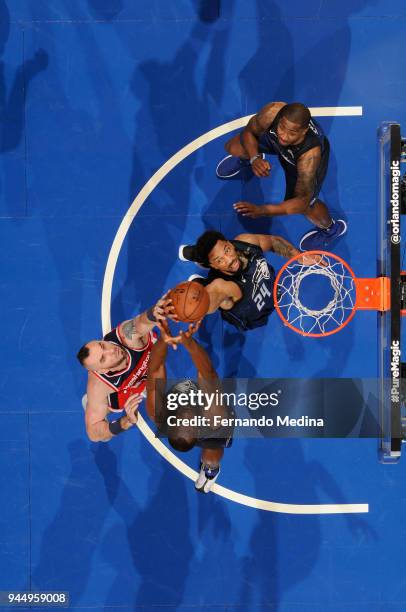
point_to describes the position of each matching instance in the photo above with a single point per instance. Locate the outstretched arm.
(278, 245)
(200, 358)
(207, 378)
(307, 167)
(156, 371)
(133, 330)
(267, 242)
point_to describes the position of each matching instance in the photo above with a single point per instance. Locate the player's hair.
(297, 113)
(181, 437)
(205, 244)
(83, 354)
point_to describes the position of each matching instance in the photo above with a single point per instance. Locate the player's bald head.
(183, 437)
(296, 113)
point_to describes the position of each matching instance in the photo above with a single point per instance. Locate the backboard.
(389, 265)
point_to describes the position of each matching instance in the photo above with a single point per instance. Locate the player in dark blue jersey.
(240, 281)
(186, 412)
(288, 131)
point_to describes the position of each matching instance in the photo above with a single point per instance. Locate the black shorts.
(214, 443)
(291, 170)
(221, 438)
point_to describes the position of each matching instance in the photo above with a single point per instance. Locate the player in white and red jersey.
(117, 372)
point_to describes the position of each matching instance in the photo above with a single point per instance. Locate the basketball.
(190, 301)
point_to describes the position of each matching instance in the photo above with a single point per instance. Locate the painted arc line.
(147, 189)
(241, 498)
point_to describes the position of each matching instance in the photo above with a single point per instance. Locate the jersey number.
(259, 298)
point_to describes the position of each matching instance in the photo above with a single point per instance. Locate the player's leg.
(327, 229)
(316, 211)
(209, 469)
(318, 214)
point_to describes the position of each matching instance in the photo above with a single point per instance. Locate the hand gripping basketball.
(190, 301)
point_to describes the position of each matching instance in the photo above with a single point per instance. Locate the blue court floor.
(95, 97)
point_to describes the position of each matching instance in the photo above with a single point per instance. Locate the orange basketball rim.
(347, 294)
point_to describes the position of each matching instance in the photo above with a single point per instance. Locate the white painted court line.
(221, 130)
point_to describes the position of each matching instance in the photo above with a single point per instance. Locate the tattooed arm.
(307, 166)
(306, 179)
(134, 332)
(278, 245)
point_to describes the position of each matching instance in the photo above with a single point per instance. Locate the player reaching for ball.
(240, 282)
(174, 418)
(117, 372)
(288, 131)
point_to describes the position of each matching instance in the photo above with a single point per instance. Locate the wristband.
(150, 315)
(115, 427)
(252, 159)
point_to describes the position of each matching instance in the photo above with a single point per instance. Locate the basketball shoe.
(207, 477)
(231, 166)
(321, 239)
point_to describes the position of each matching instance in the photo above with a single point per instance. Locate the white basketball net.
(333, 314)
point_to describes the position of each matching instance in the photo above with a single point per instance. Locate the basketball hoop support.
(373, 293)
(403, 294)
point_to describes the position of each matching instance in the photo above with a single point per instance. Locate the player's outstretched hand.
(131, 407)
(186, 337)
(163, 308)
(246, 209)
(183, 337)
(310, 260)
(261, 167)
(166, 308)
(166, 335)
